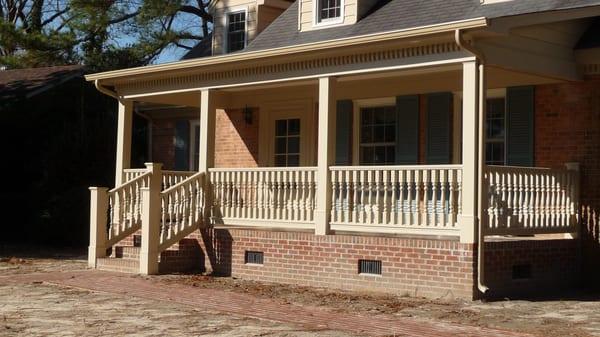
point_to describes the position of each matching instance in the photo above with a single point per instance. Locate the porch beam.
(124, 130)
(468, 218)
(326, 152)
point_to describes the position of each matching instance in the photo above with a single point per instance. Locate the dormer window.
(328, 11)
(236, 31)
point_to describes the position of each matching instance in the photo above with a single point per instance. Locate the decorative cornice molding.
(183, 80)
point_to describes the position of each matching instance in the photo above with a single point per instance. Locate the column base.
(321, 223)
(148, 263)
(468, 228)
(94, 253)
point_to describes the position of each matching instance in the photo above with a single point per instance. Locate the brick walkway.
(311, 318)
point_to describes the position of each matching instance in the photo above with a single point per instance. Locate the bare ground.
(41, 309)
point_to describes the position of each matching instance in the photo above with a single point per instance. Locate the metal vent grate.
(521, 272)
(254, 257)
(371, 267)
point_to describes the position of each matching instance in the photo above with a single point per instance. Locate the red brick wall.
(236, 141)
(410, 266)
(554, 264)
(568, 130)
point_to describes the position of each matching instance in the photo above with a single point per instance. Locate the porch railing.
(282, 197)
(125, 208)
(182, 209)
(390, 198)
(130, 174)
(524, 200)
(172, 178)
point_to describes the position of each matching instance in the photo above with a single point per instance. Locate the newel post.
(98, 221)
(575, 168)
(151, 211)
(326, 152)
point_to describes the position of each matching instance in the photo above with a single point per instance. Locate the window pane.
(293, 160)
(366, 134)
(280, 160)
(281, 127)
(378, 133)
(390, 133)
(390, 154)
(294, 127)
(495, 131)
(379, 156)
(280, 145)
(293, 145)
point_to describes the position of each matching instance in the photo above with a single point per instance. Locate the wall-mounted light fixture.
(247, 115)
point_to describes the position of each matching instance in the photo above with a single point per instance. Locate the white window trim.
(327, 22)
(192, 148)
(357, 105)
(225, 22)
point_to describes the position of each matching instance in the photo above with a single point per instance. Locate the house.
(426, 147)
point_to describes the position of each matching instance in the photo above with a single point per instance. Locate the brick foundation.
(531, 267)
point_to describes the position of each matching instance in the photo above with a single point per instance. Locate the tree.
(103, 34)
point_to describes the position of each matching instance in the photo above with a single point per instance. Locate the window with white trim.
(495, 141)
(236, 31)
(287, 142)
(377, 135)
(329, 10)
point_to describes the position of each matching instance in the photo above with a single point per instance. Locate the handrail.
(175, 187)
(129, 183)
(264, 169)
(396, 167)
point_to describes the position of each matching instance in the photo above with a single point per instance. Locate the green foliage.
(102, 34)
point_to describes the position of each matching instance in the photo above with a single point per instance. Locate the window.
(329, 10)
(287, 142)
(378, 135)
(236, 31)
(195, 145)
(495, 143)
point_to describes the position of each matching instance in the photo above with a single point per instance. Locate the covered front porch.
(401, 151)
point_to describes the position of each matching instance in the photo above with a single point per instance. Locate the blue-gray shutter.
(407, 130)
(520, 108)
(439, 142)
(182, 145)
(343, 134)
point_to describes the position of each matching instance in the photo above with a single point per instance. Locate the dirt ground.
(41, 309)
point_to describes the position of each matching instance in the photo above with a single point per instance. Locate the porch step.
(184, 256)
(126, 252)
(118, 265)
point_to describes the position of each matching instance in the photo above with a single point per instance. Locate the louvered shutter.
(439, 107)
(520, 108)
(182, 145)
(407, 130)
(343, 135)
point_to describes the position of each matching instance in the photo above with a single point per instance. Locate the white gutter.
(480, 155)
(106, 91)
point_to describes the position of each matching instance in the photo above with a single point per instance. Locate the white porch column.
(468, 218)
(326, 152)
(124, 130)
(207, 130)
(151, 209)
(207, 146)
(98, 220)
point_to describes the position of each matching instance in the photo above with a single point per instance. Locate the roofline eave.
(251, 56)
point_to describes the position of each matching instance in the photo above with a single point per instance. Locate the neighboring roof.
(202, 49)
(25, 83)
(390, 15)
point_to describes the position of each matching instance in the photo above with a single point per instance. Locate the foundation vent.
(369, 267)
(254, 257)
